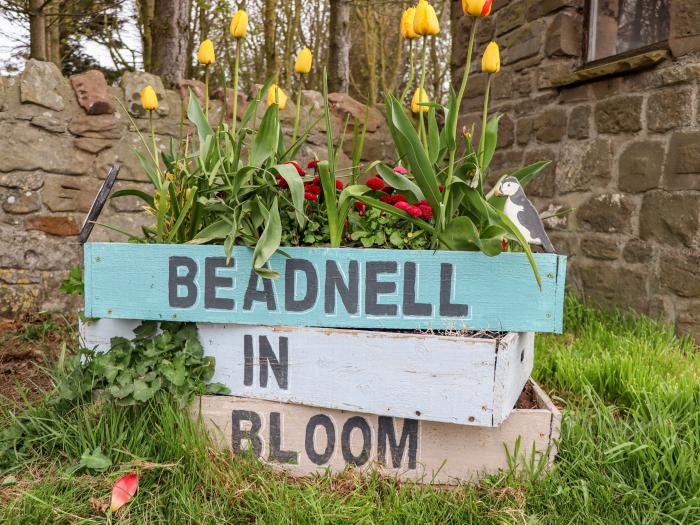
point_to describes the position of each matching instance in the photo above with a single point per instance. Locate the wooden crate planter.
(451, 379)
(327, 287)
(306, 440)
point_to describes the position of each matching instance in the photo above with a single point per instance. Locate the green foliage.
(375, 229)
(170, 361)
(73, 284)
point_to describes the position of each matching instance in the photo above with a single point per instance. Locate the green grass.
(629, 453)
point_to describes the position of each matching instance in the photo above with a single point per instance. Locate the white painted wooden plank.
(427, 377)
(514, 362)
(304, 440)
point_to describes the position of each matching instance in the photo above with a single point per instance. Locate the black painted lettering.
(291, 303)
(238, 435)
(374, 288)
(252, 293)
(280, 367)
(248, 360)
(351, 424)
(349, 292)
(276, 452)
(410, 306)
(386, 434)
(319, 420)
(447, 308)
(213, 281)
(175, 281)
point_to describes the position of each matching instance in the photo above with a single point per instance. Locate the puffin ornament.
(523, 214)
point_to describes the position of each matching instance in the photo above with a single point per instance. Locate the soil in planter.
(467, 334)
(527, 398)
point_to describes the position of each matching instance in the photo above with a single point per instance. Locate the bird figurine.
(523, 214)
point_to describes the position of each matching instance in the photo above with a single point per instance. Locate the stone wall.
(625, 151)
(58, 138)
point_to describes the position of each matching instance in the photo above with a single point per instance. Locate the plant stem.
(153, 140)
(206, 91)
(411, 72)
(422, 83)
(297, 113)
(234, 118)
(483, 128)
(460, 96)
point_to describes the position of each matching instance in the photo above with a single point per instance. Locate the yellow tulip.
(477, 7)
(275, 95)
(205, 55)
(149, 99)
(425, 21)
(407, 31)
(239, 24)
(419, 97)
(303, 62)
(491, 61)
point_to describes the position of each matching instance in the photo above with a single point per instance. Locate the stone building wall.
(625, 150)
(58, 138)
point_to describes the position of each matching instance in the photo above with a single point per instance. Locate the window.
(623, 26)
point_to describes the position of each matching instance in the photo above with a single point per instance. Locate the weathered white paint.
(287, 438)
(467, 381)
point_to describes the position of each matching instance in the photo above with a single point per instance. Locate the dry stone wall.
(58, 138)
(625, 152)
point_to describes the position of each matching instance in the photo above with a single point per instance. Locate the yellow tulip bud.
(275, 95)
(407, 31)
(425, 21)
(149, 99)
(491, 61)
(303, 62)
(205, 55)
(419, 97)
(239, 24)
(477, 7)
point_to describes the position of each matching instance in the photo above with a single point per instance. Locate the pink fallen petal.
(123, 490)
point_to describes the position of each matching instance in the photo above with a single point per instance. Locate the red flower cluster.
(421, 210)
(300, 171)
(360, 207)
(375, 183)
(310, 196)
(312, 164)
(339, 185)
(393, 199)
(281, 182)
(401, 170)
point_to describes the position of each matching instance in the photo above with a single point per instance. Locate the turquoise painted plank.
(331, 287)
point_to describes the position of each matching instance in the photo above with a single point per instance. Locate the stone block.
(523, 83)
(607, 213)
(563, 36)
(579, 122)
(678, 272)
(524, 42)
(670, 218)
(505, 161)
(510, 17)
(54, 225)
(91, 90)
(609, 285)
(133, 83)
(543, 184)
(539, 8)
(343, 105)
(669, 109)
(603, 247)
(98, 126)
(40, 84)
(581, 164)
(48, 122)
(65, 193)
(619, 114)
(684, 34)
(130, 204)
(506, 132)
(555, 216)
(21, 202)
(91, 145)
(502, 85)
(550, 125)
(640, 166)
(21, 142)
(184, 87)
(688, 321)
(683, 166)
(476, 86)
(524, 128)
(32, 250)
(124, 153)
(23, 180)
(638, 251)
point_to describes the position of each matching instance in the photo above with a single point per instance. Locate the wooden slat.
(427, 377)
(296, 438)
(454, 290)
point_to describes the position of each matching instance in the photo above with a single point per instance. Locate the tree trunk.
(270, 17)
(37, 30)
(170, 33)
(53, 34)
(146, 8)
(339, 52)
